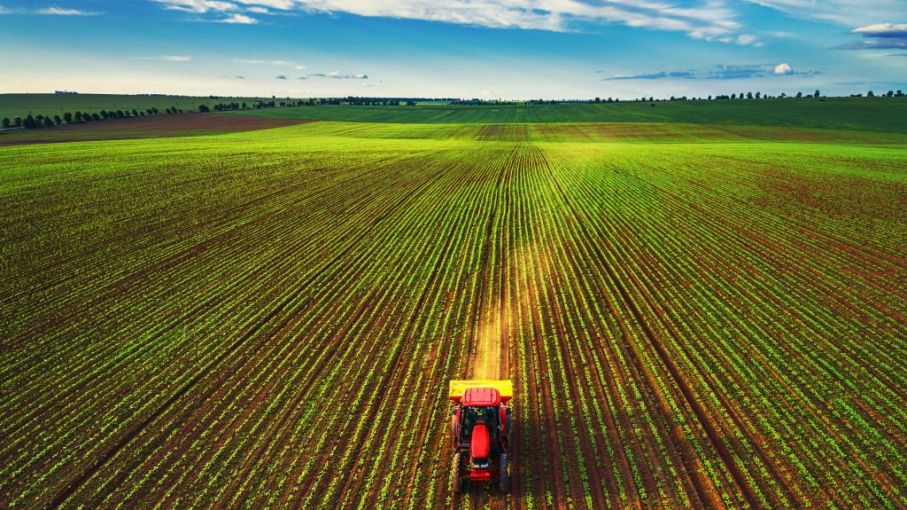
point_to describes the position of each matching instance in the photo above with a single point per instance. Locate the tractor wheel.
(459, 484)
(503, 476)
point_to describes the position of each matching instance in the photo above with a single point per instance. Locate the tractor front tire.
(503, 476)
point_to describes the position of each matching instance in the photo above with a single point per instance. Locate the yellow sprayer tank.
(458, 387)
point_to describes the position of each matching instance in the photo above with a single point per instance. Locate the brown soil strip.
(157, 126)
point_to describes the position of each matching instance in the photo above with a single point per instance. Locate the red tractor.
(480, 427)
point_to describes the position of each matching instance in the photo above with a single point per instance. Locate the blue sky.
(453, 48)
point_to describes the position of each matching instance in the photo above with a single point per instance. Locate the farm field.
(20, 105)
(156, 126)
(879, 114)
(693, 315)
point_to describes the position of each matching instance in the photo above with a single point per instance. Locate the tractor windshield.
(473, 415)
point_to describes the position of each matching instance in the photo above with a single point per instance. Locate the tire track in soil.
(710, 429)
(134, 432)
(489, 331)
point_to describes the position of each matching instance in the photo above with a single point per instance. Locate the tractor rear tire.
(503, 476)
(459, 485)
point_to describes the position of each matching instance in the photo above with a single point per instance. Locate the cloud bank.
(719, 73)
(703, 19)
(880, 36)
(843, 12)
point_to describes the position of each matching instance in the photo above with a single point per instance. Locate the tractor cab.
(480, 427)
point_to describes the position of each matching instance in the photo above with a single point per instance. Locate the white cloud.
(844, 12)
(709, 19)
(882, 29)
(705, 19)
(782, 69)
(337, 75)
(167, 58)
(746, 39)
(239, 19)
(59, 11)
(282, 5)
(879, 36)
(198, 6)
(257, 62)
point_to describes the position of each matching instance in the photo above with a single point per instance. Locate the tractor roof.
(480, 397)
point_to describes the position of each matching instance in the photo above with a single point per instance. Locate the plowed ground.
(156, 126)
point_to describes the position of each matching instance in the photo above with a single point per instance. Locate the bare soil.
(186, 124)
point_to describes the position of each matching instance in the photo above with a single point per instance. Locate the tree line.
(758, 95)
(78, 117)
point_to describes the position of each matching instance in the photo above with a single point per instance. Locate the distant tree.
(652, 105)
(799, 95)
(758, 95)
(17, 122)
(6, 123)
(870, 94)
(410, 103)
(203, 108)
(817, 93)
(710, 98)
(95, 116)
(899, 93)
(29, 122)
(57, 120)
(598, 100)
(78, 117)
(244, 106)
(135, 113)
(890, 93)
(749, 95)
(783, 95)
(104, 114)
(48, 122)
(733, 96)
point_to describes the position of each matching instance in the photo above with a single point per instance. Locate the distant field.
(270, 318)
(156, 126)
(873, 114)
(20, 105)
